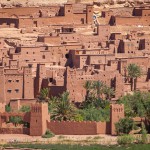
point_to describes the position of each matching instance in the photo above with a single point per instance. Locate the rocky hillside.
(29, 3)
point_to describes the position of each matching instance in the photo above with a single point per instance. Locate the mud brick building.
(60, 47)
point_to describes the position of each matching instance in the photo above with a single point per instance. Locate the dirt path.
(100, 139)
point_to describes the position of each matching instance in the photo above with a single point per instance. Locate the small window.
(9, 81)
(9, 91)
(17, 80)
(43, 56)
(17, 90)
(26, 52)
(50, 79)
(33, 52)
(68, 10)
(67, 56)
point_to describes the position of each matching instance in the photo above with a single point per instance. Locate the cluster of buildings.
(71, 45)
(38, 122)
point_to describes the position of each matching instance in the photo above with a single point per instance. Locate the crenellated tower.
(38, 119)
(116, 113)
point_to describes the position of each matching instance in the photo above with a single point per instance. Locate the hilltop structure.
(61, 47)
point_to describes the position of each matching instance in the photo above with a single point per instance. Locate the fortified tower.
(41, 74)
(89, 15)
(38, 119)
(68, 10)
(2, 86)
(116, 113)
(28, 83)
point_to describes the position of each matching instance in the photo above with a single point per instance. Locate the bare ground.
(65, 139)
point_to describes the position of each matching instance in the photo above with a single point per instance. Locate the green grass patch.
(80, 147)
(48, 134)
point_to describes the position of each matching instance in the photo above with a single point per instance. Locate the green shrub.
(137, 104)
(78, 117)
(94, 114)
(25, 109)
(48, 134)
(144, 138)
(7, 108)
(124, 126)
(16, 120)
(125, 139)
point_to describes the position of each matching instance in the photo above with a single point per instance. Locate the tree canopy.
(134, 71)
(136, 104)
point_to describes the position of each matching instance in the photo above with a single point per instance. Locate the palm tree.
(44, 94)
(109, 92)
(134, 71)
(64, 110)
(99, 87)
(87, 86)
(52, 103)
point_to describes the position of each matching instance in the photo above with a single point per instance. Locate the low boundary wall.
(14, 131)
(79, 128)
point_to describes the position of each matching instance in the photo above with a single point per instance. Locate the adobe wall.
(143, 21)
(40, 22)
(2, 107)
(28, 84)
(39, 120)
(79, 18)
(16, 104)
(14, 131)
(2, 85)
(88, 127)
(19, 11)
(122, 11)
(50, 39)
(25, 11)
(77, 128)
(103, 128)
(128, 21)
(13, 86)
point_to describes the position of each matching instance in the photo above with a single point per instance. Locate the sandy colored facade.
(67, 45)
(60, 47)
